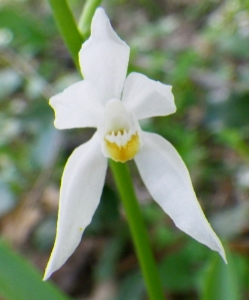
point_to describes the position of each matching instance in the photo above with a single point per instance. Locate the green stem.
(86, 16)
(126, 190)
(67, 27)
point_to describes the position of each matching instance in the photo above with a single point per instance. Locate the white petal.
(77, 106)
(146, 97)
(115, 117)
(81, 188)
(168, 181)
(104, 58)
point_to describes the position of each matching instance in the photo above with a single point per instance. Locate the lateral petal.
(77, 106)
(81, 188)
(168, 181)
(104, 58)
(146, 97)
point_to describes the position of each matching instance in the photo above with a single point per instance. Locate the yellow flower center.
(119, 132)
(125, 152)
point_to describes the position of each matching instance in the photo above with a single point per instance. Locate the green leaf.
(131, 287)
(27, 31)
(222, 281)
(21, 281)
(9, 82)
(231, 113)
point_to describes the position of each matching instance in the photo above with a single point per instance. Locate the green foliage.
(222, 281)
(26, 31)
(19, 280)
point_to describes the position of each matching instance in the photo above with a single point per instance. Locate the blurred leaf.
(237, 215)
(20, 281)
(46, 146)
(175, 270)
(107, 214)
(7, 198)
(228, 44)
(9, 82)
(222, 282)
(44, 234)
(234, 139)
(232, 112)
(184, 65)
(111, 254)
(132, 287)
(25, 28)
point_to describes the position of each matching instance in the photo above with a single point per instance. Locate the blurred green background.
(201, 48)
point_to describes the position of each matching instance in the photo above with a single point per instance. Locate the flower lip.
(120, 132)
(116, 117)
(122, 152)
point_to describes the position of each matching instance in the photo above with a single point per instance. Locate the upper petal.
(81, 188)
(77, 106)
(146, 97)
(168, 181)
(104, 58)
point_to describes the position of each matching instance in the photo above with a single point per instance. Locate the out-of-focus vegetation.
(199, 47)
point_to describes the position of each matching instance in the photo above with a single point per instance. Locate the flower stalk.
(88, 11)
(127, 194)
(68, 28)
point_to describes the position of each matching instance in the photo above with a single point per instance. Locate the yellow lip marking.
(125, 152)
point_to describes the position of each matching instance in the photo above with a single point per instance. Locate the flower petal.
(168, 181)
(146, 97)
(104, 58)
(81, 188)
(77, 106)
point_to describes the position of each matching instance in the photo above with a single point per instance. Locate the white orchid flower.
(113, 104)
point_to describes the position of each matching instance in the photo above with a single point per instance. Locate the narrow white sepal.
(104, 58)
(147, 98)
(81, 188)
(168, 181)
